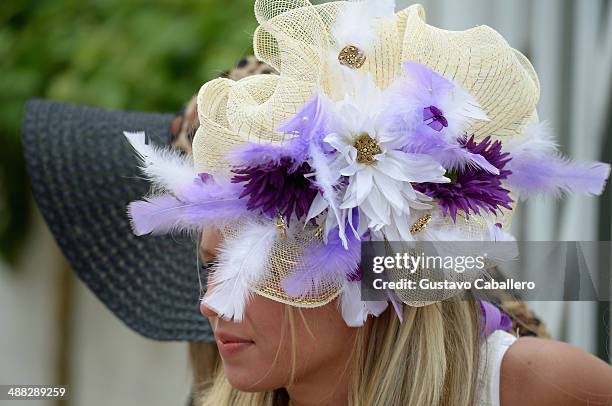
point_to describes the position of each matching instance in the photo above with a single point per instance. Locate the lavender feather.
(419, 102)
(257, 155)
(311, 123)
(199, 205)
(329, 262)
(538, 167)
(557, 175)
(308, 125)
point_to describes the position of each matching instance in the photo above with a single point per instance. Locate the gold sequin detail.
(420, 224)
(352, 57)
(367, 148)
(319, 232)
(281, 225)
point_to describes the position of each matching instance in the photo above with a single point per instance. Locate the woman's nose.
(205, 310)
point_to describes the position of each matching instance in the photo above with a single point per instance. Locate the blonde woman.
(530, 373)
(378, 128)
(280, 355)
(376, 364)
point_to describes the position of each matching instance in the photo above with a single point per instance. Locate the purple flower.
(277, 187)
(273, 175)
(473, 189)
(434, 118)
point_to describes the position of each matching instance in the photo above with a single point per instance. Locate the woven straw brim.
(84, 173)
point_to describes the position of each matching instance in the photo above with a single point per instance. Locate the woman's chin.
(249, 379)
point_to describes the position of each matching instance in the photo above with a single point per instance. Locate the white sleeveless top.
(492, 352)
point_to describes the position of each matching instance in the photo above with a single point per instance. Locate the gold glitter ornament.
(281, 225)
(420, 224)
(352, 57)
(367, 148)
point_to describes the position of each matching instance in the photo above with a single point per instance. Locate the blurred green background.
(117, 54)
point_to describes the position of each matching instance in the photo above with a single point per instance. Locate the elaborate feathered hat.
(379, 127)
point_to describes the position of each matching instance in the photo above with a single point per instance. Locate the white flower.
(379, 173)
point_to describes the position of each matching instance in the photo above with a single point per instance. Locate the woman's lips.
(229, 345)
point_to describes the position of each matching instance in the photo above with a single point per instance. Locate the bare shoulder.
(544, 372)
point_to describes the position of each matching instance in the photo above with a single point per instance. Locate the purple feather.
(252, 155)
(422, 109)
(200, 204)
(311, 123)
(493, 318)
(456, 157)
(308, 123)
(556, 175)
(426, 136)
(428, 80)
(324, 263)
(329, 262)
(538, 167)
(274, 176)
(417, 102)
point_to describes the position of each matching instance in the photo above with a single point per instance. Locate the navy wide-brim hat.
(83, 174)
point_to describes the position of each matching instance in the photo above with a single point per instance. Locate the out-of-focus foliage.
(120, 54)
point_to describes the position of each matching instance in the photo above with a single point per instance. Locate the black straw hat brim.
(84, 173)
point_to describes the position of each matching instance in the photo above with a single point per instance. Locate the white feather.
(327, 176)
(318, 205)
(461, 110)
(356, 23)
(355, 311)
(167, 168)
(536, 141)
(241, 264)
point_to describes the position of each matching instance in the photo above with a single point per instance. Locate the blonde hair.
(431, 358)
